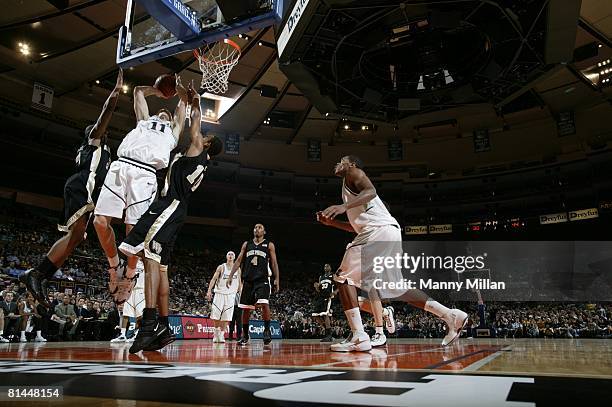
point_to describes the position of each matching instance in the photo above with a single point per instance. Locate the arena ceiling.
(73, 50)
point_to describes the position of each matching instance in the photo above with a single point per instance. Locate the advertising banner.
(196, 327)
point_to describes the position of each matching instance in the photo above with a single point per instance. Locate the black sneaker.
(267, 336)
(328, 338)
(161, 341)
(36, 284)
(243, 341)
(146, 336)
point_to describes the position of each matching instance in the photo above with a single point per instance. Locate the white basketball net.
(216, 62)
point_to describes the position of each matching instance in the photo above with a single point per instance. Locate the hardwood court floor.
(191, 364)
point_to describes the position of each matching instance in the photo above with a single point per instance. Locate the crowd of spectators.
(90, 314)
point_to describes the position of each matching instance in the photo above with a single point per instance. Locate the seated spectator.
(66, 317)
(11, 315)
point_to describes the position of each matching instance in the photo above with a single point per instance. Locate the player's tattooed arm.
(274, 266)
(141, 108)
(98, 130)
(237, 264)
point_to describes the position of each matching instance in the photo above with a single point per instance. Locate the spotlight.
(346, 127)
(97, 81)
(260, 43)
(125, 88)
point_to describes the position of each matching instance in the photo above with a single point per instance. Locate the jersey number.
(324, 286)
(196, 177)
(162, 126)
(254, 260)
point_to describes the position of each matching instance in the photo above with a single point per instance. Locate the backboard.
(155, 29)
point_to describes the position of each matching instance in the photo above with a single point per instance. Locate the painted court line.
(480, 363)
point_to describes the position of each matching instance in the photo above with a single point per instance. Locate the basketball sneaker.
(378, 340)
(36, 283)
(358, 343)
(455, 320)
(221, 337)
(3, 339)
(389, 319)
(120, 338)
(162, 341)
(147, 334)
(243, 341)
(328, 338)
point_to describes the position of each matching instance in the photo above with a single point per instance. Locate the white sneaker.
(359, 343)
(455, 321)
(221, 337)
(3, 340)
(40, 339)
(215, 337)
(120, 338)
(389, 320)
(131, 339)
(378, 340)
(23, 339)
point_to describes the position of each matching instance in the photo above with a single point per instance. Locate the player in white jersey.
(134, 306)
(370, 219)
(131, 182)
(225, 296)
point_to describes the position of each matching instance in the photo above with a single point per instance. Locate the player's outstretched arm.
(99, 128)
(274, 266)
(178, 122)
(237, 264)
(212, 283)
(141, 108)
(195, 128)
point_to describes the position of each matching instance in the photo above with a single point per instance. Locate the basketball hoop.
(216, 62)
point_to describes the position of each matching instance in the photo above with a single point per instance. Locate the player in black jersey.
(322, 301)
(154, 235)
(257, 256)
(81, 192)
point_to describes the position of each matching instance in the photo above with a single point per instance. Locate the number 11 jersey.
(149, 143)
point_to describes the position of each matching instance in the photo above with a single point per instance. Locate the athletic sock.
(267, 324)
(245, 330)
(148, 314)
(436, 308)
(47, 268)
(385, 312)
(123, 331)
(379, 330)
(354, 319)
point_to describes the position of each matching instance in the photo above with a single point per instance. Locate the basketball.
(166, 83)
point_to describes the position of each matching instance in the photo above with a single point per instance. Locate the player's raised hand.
(119, 83)
(276, 286)
(180, 90)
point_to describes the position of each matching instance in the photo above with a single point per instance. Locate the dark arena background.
(485, 131)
